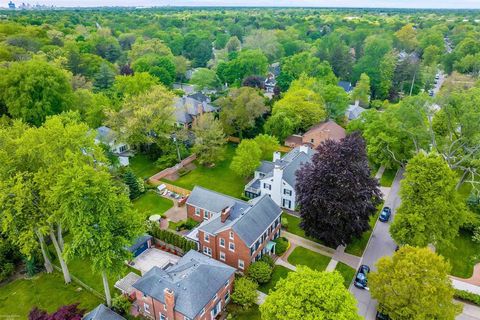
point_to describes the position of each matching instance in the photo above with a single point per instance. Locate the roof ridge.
(221, 194)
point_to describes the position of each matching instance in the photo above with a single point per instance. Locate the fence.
(174, 188)
(83, 284)
(165, 172)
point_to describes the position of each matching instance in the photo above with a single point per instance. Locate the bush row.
(467, 296)
(172, 238)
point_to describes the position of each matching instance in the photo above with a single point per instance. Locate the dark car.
(361, 277)
(382, 316)
(385, 214)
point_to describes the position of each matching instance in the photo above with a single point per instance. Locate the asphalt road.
(380, 244)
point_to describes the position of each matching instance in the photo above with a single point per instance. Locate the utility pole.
(174, 136)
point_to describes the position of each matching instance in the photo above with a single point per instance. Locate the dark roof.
(347, 86)
(199, 96)
(194, 280)
(102, 313)
(211, 200)
(186, 108)
(265, 166)
(139, 242)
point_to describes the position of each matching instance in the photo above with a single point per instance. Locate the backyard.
(311, 259)
(463, 255)
(151, 203)
(218, 178)
(279, 272)
(46, 291)
(143, 167)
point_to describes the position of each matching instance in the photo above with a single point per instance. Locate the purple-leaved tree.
(336, 193)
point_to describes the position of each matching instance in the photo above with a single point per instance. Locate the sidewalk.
(285, 264)
(261, 297)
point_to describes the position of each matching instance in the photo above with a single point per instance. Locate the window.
(287, 203)
(222, 256)
(186, 318)
(215, 297)
(146, 307)
(222, 242)
(267, 186)
(162, 317)
(287, 192)
(206, 215)
(252, 250)
(207, 251)
(311, 140)
(165, 307)
(203, 312)
(227, 283)
(206, 237)
(241, 264)
(231, 246)
(227, 296)
(231, 235)
(197, 212)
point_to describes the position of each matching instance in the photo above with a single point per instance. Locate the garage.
(140, 245)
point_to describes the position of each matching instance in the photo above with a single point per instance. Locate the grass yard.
(143, 167)
(462, 255)
(238, 313)
(294, 227)
(46, 291)
(388, 177)
(151, 203)
(347, 273)
(279, 272)
(219, 178)
(358, 245)
(311, 259)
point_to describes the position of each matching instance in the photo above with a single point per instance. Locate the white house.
(277, 178)
(108, 137)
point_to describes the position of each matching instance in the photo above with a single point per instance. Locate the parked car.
(385, 214)
(431, 93)
(382, 316)
(361, 280)
(437, 77)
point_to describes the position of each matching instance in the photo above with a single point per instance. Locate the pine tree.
(132, 182)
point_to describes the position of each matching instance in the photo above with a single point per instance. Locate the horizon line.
(247, 6)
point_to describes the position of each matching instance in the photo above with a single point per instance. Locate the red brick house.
(316, 135)
(234, 231)
(196, 288)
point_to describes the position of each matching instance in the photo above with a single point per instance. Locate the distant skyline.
(449, 4)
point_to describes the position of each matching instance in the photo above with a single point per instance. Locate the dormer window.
(231, 235)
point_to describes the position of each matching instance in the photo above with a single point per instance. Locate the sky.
(452, 4)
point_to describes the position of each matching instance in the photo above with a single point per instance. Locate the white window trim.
(241, 264)
(197, 211)
(207, 251)
(206, 237)
(230, 246)
(146, 307)
(231, 236)
(222, 254)
(220, 242)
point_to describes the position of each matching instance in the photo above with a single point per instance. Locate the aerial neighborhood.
(273, 163)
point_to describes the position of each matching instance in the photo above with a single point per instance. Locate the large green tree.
(309, 294)
(33, 90)
(247, 158)
(414, 284)
(431, 211)
(209, 140)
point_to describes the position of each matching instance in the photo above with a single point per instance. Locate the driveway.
(154, 258)
(380, 244)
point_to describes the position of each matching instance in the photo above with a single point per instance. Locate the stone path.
(332, 265)
(380, 172)
(285, 264)
(470, 312)
(338, 255)
(261, 297)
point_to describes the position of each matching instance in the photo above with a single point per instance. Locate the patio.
(154, 258)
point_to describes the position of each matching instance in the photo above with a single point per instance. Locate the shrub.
(467, 296)
(172, 238)
(281, 246)
(7, 270)
(268, 259)
(245, 292)
(121, 305)
(285, 223)
(189, 224)
(260, 272)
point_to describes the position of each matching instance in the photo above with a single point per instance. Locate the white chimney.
(304, 148)
(277, 185)
(276, 156)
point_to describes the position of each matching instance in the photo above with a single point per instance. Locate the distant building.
(270, 83)
(316, 135)
(187, 109)
(354, 111)
(347, 86)
(11, 5)
(108, 137)
(102, 313)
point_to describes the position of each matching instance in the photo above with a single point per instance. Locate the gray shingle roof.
(105, 134)
(290, 169)
(354, 111)
(195, 280)
(253, 223)
(186, 108)
(139, 242)
(212, 201)
(265, 167)
(102, 313)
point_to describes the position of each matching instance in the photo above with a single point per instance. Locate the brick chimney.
(225, 214)
(169, 302)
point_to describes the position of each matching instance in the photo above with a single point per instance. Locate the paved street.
(380, 244)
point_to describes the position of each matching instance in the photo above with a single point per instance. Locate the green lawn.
(347, 273)
(151, 203)
(143, 167)
(311, 259)
(462, 255)
(219, 178)
(358, 245)
(46, 291)
(294, 227)
(279, 272)
(388, 177)
(239, 314)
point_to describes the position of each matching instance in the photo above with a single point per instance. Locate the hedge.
(172, 238)
(467, 296)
